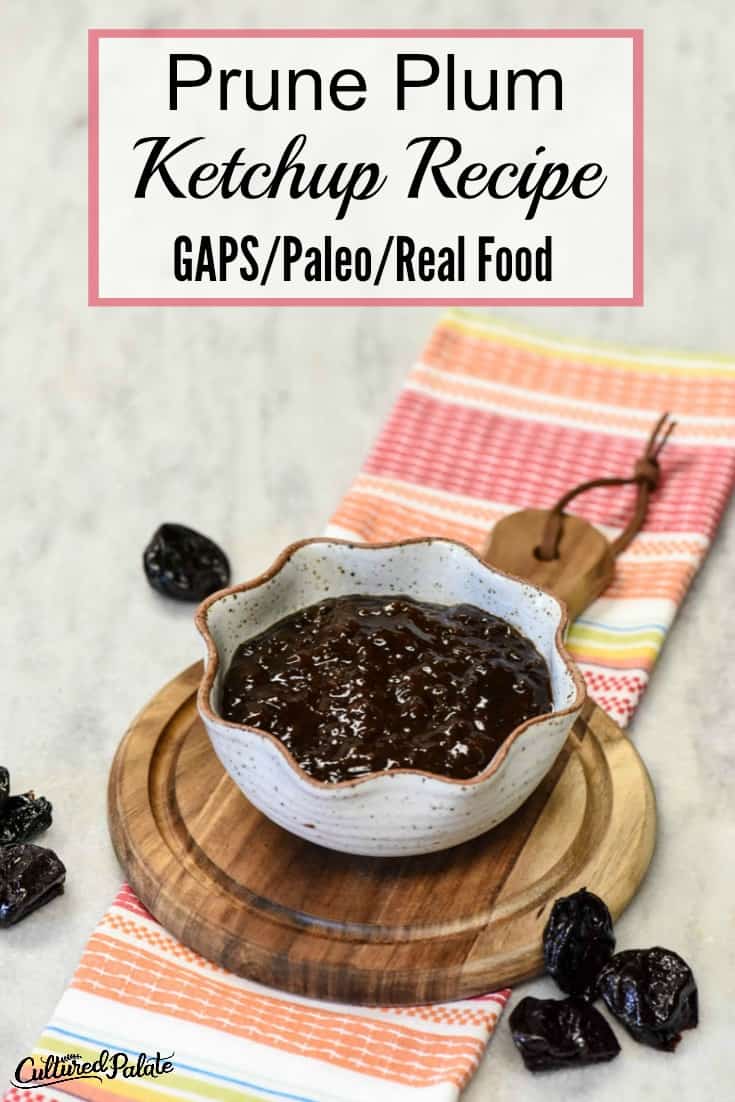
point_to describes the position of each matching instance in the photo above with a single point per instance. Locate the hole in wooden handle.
(582, 568)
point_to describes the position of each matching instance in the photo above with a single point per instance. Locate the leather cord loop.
(646, 475)
(648, 471)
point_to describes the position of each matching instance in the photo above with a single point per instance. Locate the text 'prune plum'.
(653, 993)
(561, 1033)
(578, 941)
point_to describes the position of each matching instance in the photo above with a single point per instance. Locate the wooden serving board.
(243, 892)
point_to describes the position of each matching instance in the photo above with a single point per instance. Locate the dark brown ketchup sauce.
(355, 685)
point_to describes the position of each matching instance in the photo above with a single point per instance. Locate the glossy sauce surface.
(356, 685)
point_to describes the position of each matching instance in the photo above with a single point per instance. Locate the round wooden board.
(264, 904)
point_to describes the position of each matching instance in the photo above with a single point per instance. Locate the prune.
(4, 787)
(561, 1033)
(653, 993)
(184, 564)
(29, 877)
(23, 817)
(578, 941)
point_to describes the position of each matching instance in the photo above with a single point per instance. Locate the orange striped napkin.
(490, 420)
(137, 990)
(493, 419)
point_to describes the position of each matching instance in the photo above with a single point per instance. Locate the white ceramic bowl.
(397, 811)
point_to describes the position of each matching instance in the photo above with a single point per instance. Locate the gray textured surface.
(250, 425)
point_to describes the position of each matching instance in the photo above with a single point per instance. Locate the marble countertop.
(249, 424)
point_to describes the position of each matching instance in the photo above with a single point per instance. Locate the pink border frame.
(95, 34)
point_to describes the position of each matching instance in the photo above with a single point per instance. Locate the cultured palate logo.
(33, 1072)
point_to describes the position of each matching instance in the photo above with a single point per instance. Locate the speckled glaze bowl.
(398, 811)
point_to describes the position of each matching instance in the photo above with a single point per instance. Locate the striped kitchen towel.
(139, 990)
(491, 420)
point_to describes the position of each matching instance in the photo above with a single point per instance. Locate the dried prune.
(578, 941)
(653, 993)
(561, 1033)
(184, 564)
(4, 787)
(23, 817)
(29, 877)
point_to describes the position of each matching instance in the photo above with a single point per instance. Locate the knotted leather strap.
(645, 475)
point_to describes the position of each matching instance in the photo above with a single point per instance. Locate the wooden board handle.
(584, 565)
